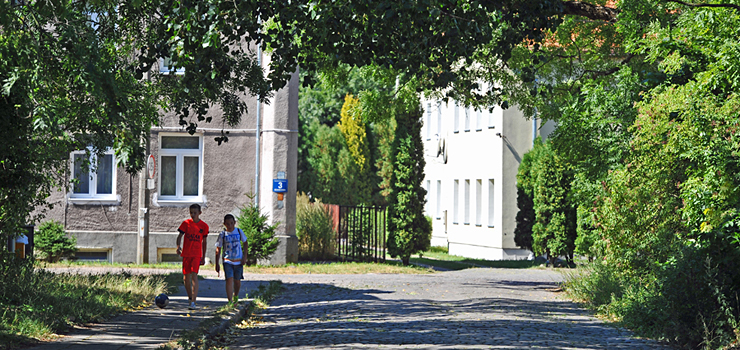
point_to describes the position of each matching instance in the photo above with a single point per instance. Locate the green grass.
(64, 300)
(37, 305)
(439, 257)
(70, 264)
(340, 268)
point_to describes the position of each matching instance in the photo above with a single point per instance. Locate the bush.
(260, 235)
(53, 243)
(314, 227)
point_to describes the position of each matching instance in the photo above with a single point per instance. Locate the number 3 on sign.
(279, 185)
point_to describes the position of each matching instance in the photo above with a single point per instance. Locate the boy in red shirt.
(193, 251)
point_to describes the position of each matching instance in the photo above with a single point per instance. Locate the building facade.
(103, 209)
(472, 158)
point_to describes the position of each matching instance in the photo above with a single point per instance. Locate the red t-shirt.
(194, 234)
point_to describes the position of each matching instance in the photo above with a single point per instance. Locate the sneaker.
(192, 306)
(236, 300)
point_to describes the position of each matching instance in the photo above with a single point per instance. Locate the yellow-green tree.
(354, 131)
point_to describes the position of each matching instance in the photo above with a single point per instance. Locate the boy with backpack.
(230, 242)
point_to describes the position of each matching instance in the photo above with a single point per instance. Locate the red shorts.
(190, 265)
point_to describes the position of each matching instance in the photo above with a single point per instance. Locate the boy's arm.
(218, 257)
(179, 239)
(245, 253)
(204, 246)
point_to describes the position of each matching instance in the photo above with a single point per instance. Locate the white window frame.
(478, 202)
(466, 217)
(467, 118)
(478, 120)
(456, 202)
(428, 125)
(439, 118)
(491, 202)
(92, 196)
(165, 70)
(439, 199)
(180, 154)
(456, 126)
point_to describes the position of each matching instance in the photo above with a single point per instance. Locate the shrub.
(314, 227)
(260, 235)
(53, 243)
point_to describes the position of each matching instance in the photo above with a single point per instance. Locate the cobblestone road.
(470, 309)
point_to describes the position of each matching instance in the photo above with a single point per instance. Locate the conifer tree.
(409, 231)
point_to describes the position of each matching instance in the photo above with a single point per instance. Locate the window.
(467, 202)
(92, 254)
(490, 119)
(95, 176)
(478, 120)
(478, 202)
(180, 164)
(439, 118)
(467, 119)
(490, 203)
(168, 255)
(428, 125)
(427, 205)
(456, 202)
(456, 126)
(439, 199)
(166, 68)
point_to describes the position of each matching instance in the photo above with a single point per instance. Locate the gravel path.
(469, 309)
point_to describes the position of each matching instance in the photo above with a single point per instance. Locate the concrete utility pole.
(142, 239)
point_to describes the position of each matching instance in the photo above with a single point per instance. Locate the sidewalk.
(150, 327)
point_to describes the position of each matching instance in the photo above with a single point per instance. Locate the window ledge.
(115, 200)
(178, 203)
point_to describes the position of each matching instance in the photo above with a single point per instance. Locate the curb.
(226, 321)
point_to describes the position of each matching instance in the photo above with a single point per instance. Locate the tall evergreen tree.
(409, 231)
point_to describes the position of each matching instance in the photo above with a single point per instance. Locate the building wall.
(227, 172)
(484, 157)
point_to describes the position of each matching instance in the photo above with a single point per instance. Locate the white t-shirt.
(232, 247)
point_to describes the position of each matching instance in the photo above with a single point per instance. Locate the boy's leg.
(194, 278)
(229, 288)
(238, 276)
(186, 279)
(237, 287)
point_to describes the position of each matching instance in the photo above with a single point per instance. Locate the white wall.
(489, 151)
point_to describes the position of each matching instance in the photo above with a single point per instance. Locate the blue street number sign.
(279, 185)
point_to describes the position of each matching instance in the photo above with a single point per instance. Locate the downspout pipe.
(258, 133)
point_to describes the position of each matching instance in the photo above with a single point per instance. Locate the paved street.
(470, 309)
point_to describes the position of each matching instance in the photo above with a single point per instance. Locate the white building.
(472, 158)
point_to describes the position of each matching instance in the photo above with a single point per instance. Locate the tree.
(409, 230)
(355, 133)
(53, 243)
(260, 235)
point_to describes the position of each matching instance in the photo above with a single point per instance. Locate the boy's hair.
(229, 216)
(195, 206)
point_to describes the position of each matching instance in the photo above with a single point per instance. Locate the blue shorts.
(233, 271)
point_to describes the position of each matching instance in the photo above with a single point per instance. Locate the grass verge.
(346, 268)
(289, 269)
(440, 257)
(37, 305)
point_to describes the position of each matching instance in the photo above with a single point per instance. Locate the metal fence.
(361, 233)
